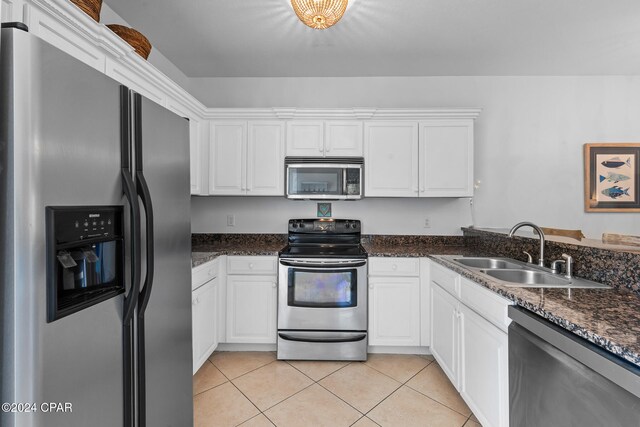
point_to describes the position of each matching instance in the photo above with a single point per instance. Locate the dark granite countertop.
(412, 250)
(609, 318)
(206, 252)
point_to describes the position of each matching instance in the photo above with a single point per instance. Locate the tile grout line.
(248, 372)
(435, 400)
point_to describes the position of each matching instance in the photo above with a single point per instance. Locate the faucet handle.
(529, 257)
(554, 266)
(568, 260)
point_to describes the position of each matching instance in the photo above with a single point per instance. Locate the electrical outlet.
(427, 223)
(231, 221)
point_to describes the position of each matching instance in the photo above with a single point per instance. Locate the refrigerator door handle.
(145, 196)
(145, 293)
(130, 300)
(128, 187)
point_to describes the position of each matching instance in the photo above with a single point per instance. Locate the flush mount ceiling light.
(319, 14)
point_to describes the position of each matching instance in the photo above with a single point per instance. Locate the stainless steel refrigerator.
(95, 298)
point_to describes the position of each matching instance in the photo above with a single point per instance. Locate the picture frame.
(612, 177)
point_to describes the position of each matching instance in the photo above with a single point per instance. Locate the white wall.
(378, 216)
(529, 140)
(157, 59)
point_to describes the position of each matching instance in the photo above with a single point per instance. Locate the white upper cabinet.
(431, 158)
(246, 158)
(317, 138)
(391, 159)
(305, 138)
(343, 139)
(265, 159)
(446, 158)
(227, 154)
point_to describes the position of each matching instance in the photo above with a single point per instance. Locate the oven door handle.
(307, 338)
(321, 264)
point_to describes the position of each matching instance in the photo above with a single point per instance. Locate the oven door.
(322, 294)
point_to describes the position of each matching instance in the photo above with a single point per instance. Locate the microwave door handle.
(344, 181)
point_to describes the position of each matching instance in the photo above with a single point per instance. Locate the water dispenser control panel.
(85, 257)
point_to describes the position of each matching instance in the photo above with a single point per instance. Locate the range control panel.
(332, 226)
(79, 223)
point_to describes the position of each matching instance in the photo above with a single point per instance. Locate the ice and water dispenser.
(85, 257)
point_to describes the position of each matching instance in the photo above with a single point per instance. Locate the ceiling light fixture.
(319, 14)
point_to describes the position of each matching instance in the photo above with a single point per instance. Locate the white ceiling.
(263, 38)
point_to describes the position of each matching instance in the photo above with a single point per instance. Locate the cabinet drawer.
(205, 272)
(487, 304)
(252, 265)
(446, 279)
(379, 266)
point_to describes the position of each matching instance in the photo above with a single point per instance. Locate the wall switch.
(231, 221)
(427, 223)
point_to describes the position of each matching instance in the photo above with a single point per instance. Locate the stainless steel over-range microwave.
(322, 178)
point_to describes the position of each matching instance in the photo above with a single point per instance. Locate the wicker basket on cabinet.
(137, 41)
(90, 7)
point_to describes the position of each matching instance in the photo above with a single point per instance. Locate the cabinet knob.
(251, 266)
(422, 190)
(273, 285)
(327, 149)
(394, 267)
(370, 286)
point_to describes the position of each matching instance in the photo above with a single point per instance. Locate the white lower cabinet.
(204, 301)
(251, 300)
(469, 341)
(394, 302)
(394, 311)
(484, 369)
(444, 332)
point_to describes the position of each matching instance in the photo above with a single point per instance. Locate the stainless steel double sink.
(516, 273)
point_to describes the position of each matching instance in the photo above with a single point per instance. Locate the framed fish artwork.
(612, 177)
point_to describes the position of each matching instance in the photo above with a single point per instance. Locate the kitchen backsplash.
(611, 267)
(198, 239)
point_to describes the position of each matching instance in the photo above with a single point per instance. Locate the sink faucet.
(540, 233)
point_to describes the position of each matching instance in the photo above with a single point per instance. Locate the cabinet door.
(265, 159)
(195, 132)
(484, 370)
(394, 311)
(251, 309)
(444, 332)
(227, 168)
(446, 158)
(204, 312)
(305, 138)
(391, 159)
(343, 139)
(425, 306)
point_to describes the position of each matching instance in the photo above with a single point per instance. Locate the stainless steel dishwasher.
(559, 379)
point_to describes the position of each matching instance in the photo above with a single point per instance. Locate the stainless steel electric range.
(322, 291)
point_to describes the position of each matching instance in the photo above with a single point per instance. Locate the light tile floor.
(253, 389)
